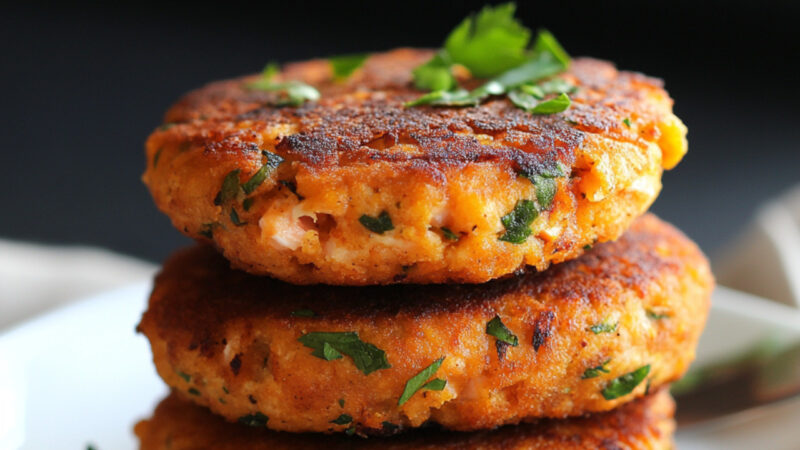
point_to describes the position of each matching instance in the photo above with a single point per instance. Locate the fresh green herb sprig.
(492, 44)
(344, 65)
(331, 345)
(604, 327)
(417, 382)
(291, 93)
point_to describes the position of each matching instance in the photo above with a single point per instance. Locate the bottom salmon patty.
(584, 336)
(644, 423)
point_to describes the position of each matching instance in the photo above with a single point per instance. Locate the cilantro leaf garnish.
(594, 372)
(518, 222)
(272, 162)
(418, 381)
(626, 121)
(379, 225)
(292, 92)
(489, 42)
(186, 377)
(496, 328)
(492, 44)
(194, 391)
(229, 189)
(344, 65)
(436, 384)
(157, 156)
(625, 384)
(435, 75)
(343, 419)
(247, 203)
(331, 345)
(254, 420)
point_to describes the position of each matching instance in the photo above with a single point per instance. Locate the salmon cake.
(646, 423)
(583, 336)
(359, 188)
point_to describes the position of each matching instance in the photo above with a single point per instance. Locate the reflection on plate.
(81, 375)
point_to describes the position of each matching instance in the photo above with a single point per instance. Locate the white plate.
(81, 375)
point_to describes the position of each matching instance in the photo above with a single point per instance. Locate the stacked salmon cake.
(469, 267)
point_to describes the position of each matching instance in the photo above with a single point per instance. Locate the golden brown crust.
(232, 340)
(358, 151)
(642, 424)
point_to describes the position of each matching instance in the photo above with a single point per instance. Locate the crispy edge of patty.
(648, 422)
(230, 339)
(358, 153)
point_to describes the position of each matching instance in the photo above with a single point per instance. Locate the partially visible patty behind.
(238, 343)
(443, 177)
(642, 424)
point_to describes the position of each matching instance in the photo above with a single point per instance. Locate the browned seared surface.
(229, 340)
(642, 424)
(358, 151)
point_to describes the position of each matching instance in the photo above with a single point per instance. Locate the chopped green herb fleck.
(194, 391)
(496, 328)
(552, 106)
(344, 65)
(341, 403)
(436, 384)
(647, 387)
(327, 345)
(303, 313)
(225, 390)
(186, 377)
(627, 122)
(156, 157)
(518, 222)
(207, 230)
(343, 419)
(418, 381)
(247, 203)
(329, 353)
(350, 431)
(625, 384)
(229, 189)
(604, 327)
(273, 161)
(594, 372)
(254, 420)
(235, 218)
(447, 233)
(166, 126)
(379, 224)
(587, 247)
(656, 315)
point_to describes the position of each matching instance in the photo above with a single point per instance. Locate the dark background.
(82, 87)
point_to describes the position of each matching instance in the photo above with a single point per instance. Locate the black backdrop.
(83, 86)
